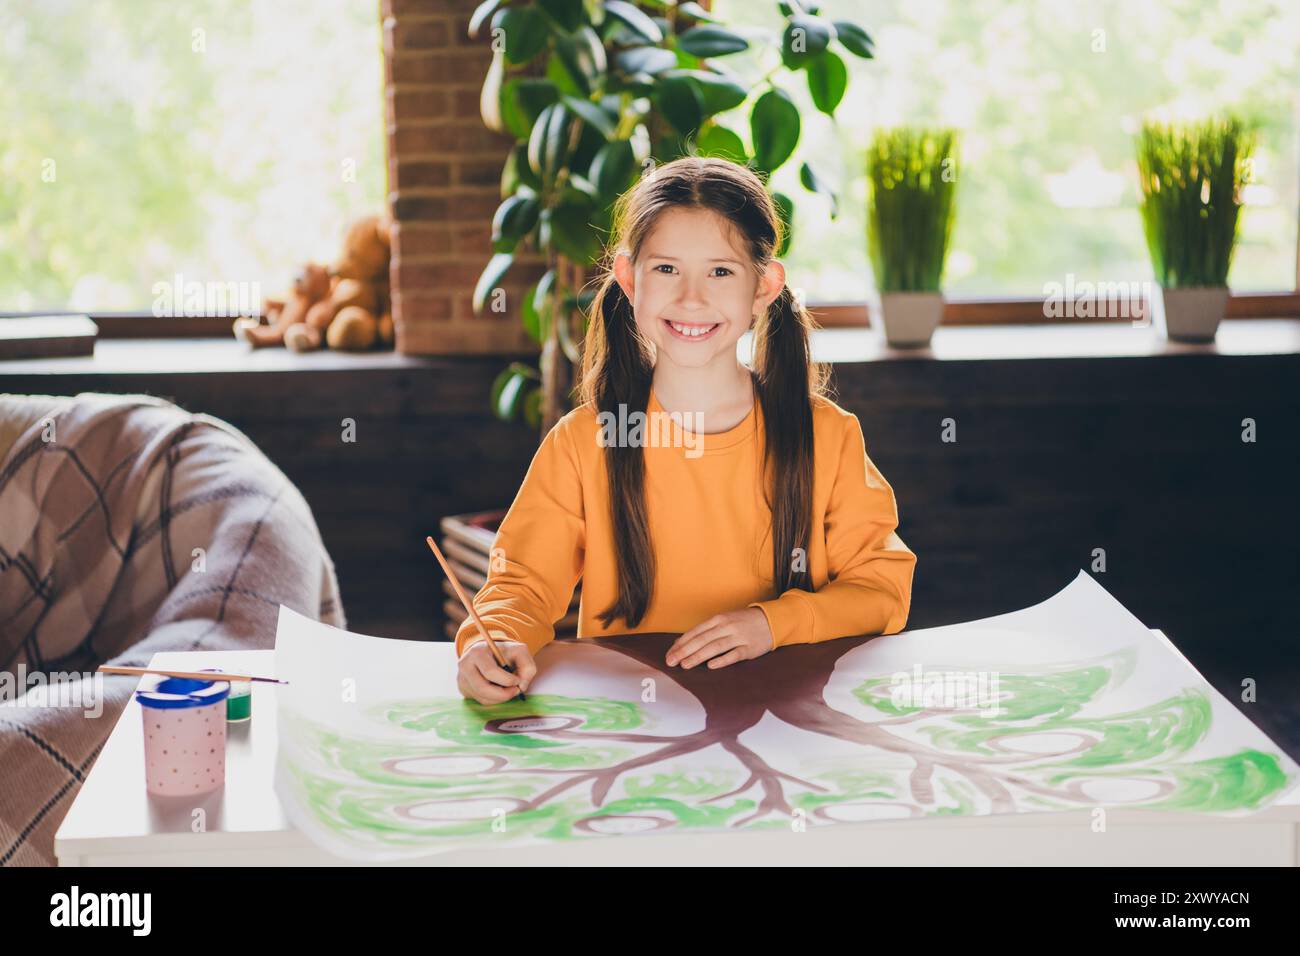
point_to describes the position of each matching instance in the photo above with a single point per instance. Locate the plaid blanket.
(129, 526)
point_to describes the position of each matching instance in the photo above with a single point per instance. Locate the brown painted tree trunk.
(791, 686)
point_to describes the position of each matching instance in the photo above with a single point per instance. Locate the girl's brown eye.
(664, 265)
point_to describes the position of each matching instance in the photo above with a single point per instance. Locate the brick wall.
(444, 178)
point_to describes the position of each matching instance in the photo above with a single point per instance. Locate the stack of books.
(467, 542)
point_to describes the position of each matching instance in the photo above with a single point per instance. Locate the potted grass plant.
(1191, 177)
(912, 179)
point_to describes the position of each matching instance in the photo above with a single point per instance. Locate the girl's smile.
(691, 332)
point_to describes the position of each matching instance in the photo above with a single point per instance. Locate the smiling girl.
(768, 525)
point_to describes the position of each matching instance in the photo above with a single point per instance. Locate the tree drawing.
(561, 767)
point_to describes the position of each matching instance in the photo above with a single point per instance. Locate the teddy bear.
(346, 307)
(310, 287)
(356, 314)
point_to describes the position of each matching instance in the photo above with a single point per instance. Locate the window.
(217, 142)
(1048, 95)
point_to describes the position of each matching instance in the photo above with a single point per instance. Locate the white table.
(114, 822)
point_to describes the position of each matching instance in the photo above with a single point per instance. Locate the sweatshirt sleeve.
(538, 554)
(870, 568)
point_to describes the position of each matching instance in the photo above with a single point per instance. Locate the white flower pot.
(1192, 315)
(910, 318)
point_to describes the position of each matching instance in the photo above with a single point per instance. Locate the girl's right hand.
(479, 677)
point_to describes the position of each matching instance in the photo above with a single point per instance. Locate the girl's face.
(693, 291)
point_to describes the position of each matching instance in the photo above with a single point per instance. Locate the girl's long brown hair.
(618, 366)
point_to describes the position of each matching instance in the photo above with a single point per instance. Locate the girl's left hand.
(723, 639)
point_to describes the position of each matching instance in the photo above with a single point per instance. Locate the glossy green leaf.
(514, 219)
(590, 141)
(815, 183)
(548, 143)
(538, 307)
(711, 40)
(491, 278)
(510, 172)
(785, 212)
(774, 126)
(508, 391)
(634, 20)
(489, 98)
(481, 14)
(522, 101)
(579, 190)
(651, 60)
(569, 14)
(854, 39)
(543, 302)
(572, 235)
(612, 169)
(525, 32)
(498, 386)
(678, 98)
(583, 56)
(718, 93)
(720, 141)
(558, 73)
(532, 322)
(696, 12)
(517, 174)
(827, 80)
(804, 39)
(593, 114)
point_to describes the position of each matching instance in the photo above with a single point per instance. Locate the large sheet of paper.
(1069, 704)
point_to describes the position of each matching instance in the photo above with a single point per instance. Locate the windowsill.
(225, 356)
(209, 356)
(1069, 341)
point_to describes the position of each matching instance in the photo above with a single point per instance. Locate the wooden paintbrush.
(469, 606)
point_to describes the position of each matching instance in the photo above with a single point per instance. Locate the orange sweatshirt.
(711, 531)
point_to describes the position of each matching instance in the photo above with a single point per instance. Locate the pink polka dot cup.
(184, 735)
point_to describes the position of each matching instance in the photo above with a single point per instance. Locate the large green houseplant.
(595, 93)
(1191, 177)
(912, 182)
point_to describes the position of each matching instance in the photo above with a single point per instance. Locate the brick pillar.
(444, 180)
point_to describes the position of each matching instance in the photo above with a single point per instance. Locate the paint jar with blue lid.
(184, 734)
(239, 705)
